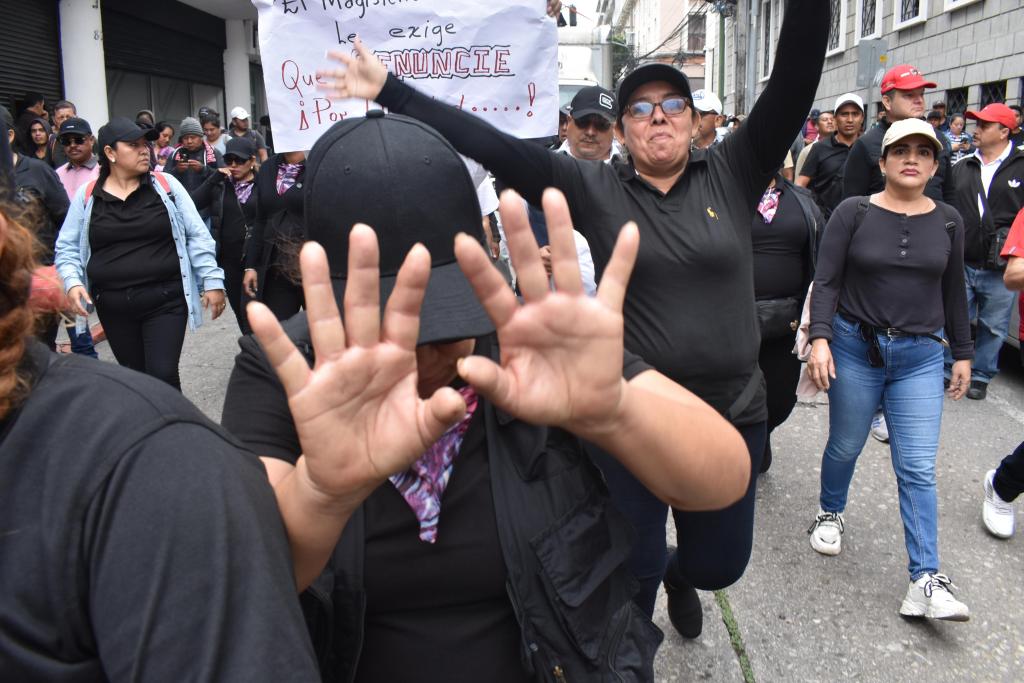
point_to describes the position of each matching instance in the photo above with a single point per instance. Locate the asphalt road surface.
(800, 616)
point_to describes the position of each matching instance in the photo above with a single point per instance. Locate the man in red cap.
(989, 192)
(903, 98)
(902, 89)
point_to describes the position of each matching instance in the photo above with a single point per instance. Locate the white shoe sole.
(913, 609)
(830, 549)
(992, 529)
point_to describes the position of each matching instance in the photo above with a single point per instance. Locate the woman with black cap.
(690, 307)
(272, 245)
(134, 244)
(229, 199)
(464, 540)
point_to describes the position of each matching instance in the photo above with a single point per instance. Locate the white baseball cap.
(906, 128)
(239, 113)
(706, 101)
(849, 97)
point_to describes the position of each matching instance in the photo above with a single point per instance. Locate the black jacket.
(191, 180)
(565, 547)
(1005, 199)
(230, 220)
(278, 217)
(861, 175)
(35, 180)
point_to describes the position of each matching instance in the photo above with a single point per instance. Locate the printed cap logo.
(1015, 183)
(605, 101)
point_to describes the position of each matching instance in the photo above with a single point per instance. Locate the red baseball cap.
(996, 113)
(904, 77)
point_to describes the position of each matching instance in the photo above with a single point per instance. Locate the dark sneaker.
(684, 609)
(978, 390)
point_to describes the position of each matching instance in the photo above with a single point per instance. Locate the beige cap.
(906, 128)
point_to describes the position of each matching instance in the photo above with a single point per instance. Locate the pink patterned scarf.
(423, 484)
(769, 204)
(287, 175)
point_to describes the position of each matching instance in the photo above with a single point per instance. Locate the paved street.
(804, 617)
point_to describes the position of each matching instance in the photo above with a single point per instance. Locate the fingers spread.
(533, 280)
(291, 367)
(491, 289)
(362, 292)
(612, 289)
(402, 314)
(325, 329)
(565, 263)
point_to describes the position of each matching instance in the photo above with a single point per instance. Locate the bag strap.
(160, 178)
(863, 204)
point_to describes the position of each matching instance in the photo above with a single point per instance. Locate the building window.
(993, 92)
(837, 28)
(951, 5)
(956, 101)
(908, 13)
(696, 30)
(869, 19)
(766, 38)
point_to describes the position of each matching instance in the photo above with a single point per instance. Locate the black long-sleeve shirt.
(689, 309)
(894, 270)
(39, 180)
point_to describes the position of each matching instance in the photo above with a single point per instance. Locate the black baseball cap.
(121, 129)
(75, 126)
(243, 148)
(594, 99)
(403, 179)
(646, 73)
(5, 115)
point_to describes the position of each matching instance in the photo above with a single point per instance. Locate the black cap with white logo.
(594, 100)
(75, 126)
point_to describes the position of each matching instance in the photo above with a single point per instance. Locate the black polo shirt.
(824, 166)
(689, 309)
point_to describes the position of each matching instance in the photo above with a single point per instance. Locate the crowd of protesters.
(618, 341)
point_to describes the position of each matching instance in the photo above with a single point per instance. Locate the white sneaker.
(996, 512)
(827, 532)
(930, 596)
(879, 429)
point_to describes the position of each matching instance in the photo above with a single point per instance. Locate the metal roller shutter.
(30, 51)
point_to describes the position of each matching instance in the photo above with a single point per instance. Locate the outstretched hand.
(561, 351)
(362, 76)
(357, 412)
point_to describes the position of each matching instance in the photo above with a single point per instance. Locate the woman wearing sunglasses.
(230, 199)
(689, 311)
(889, 284)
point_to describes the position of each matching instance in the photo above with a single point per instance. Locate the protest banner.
(497, 60)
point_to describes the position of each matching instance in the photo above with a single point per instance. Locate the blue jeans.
(81, 344)
(991, 303)
(910, 390)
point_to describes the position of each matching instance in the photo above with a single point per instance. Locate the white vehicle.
(584, 59)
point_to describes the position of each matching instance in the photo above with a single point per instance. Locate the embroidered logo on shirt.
(711, 212)
(1013, 183)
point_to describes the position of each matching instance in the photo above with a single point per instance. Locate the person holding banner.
(689, 311)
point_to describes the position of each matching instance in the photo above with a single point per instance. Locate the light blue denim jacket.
(197, 252)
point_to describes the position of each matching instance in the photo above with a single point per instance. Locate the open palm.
(357, 412)
(561, 351)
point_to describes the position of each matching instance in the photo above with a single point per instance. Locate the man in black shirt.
(902, 89)
(823, 170)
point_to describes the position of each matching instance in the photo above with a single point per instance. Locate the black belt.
(893, 333)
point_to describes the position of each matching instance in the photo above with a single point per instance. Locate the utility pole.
(740, 27)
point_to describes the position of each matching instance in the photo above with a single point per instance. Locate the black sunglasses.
(598, 122)
(234, 161)
(875, 357)
(72, 140)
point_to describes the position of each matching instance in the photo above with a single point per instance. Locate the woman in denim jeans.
(888, 285)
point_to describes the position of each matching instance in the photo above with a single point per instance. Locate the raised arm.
(524, 166)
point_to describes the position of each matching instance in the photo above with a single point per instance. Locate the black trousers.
(145, 326)
(281, 295)
(1009, 479)
(781, 370)
(230, 260)
(714, 547)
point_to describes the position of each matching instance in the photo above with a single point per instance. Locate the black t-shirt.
(138, 540)
(131, 240)
(824, 166)
(434, 612)
(893, 271)
(689, 309)
(780, 251)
